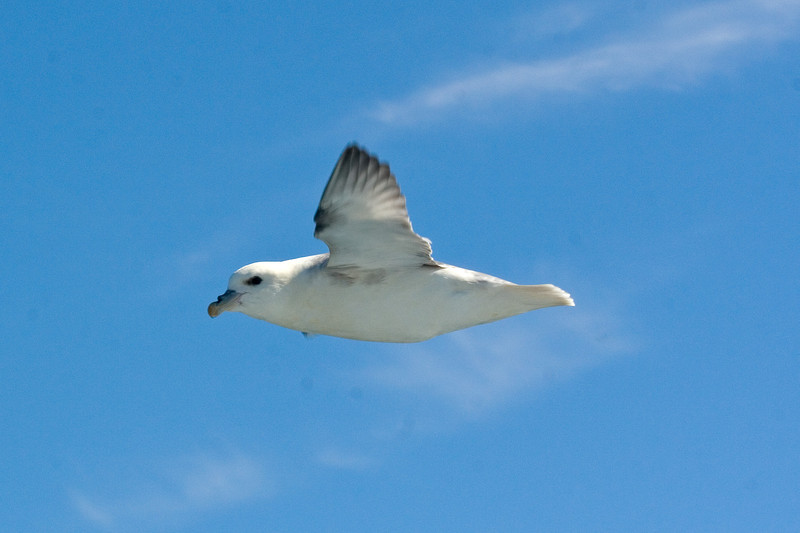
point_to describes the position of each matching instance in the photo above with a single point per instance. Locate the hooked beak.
(224, 303)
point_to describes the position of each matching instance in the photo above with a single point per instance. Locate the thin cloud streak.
(473, 373)
(558, 20)
(688, 44)
(194, 484)
(342, 460)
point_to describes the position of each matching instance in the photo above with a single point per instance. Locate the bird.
(379, 281)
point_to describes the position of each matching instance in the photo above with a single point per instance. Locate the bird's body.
(379, 282)
(391, 305)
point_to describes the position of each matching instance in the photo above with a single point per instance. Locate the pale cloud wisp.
(474, 371)
(194, 484)
(683, 46)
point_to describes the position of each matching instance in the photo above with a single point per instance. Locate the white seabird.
(379, 281)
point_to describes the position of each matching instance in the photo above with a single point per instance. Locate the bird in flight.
(379, 281)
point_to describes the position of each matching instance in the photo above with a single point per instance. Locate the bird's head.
(246, 281)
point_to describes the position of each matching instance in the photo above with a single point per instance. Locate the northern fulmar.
(379, 281)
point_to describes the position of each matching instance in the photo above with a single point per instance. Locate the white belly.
(407, 305)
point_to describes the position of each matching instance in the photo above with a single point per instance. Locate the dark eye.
(255, 280)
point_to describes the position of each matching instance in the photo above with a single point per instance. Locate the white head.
(255, 278)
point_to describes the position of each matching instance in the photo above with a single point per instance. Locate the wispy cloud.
(561, 19)
(682, 47)
(342, 460)
(199, 483)
(475, 370)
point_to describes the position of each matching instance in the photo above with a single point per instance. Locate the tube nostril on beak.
(224, 303)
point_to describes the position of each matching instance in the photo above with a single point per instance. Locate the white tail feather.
(539, 296)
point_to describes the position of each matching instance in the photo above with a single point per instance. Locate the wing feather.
(362, 216)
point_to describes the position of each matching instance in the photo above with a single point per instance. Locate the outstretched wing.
(362, 217)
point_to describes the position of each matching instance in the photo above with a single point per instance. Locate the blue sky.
(645, 158)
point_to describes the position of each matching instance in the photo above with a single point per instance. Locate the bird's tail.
(539, 296)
